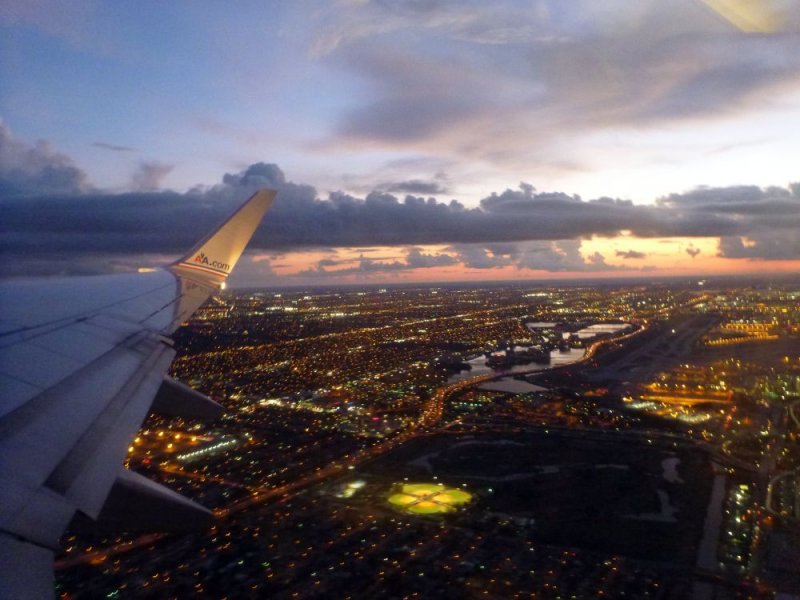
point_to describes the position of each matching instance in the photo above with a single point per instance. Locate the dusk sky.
(409, 141)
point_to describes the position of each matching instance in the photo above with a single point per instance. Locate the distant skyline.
(409, 141)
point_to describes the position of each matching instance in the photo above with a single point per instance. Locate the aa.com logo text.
(203, 260)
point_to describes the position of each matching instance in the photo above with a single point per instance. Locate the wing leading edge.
(81, 362)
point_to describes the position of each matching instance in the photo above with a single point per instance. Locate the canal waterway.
(557, 359)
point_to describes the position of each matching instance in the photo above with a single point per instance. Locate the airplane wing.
(82, 362)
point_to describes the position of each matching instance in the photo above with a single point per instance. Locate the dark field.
(608, 496)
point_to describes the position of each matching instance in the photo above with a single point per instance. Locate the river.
(557, 359)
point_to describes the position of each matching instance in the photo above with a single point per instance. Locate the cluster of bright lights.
(429, 498)
(695, 418)
(214, 447)
(643, 405)
(350, 488)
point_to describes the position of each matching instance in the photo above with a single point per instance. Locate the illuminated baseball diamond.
(429, 498)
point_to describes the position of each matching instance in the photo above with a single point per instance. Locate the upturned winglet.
(213, 258)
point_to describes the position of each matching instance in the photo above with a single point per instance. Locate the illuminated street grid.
(320, 385)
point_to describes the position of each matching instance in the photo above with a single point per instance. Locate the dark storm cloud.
(762, 209)
(167, 222)
(734, 198)
(365, 267)
(553, 256)
(769, 218)
(630, 254)
(475, 256)
(415, 186)
(417, 259)
(764, 245)
(562, 256)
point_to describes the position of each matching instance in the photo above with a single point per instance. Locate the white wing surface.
(81, 362)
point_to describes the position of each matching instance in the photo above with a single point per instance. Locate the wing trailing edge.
(175, 399)
(136, 504)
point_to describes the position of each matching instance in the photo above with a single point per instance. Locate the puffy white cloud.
(36, 169)
(149, 175)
